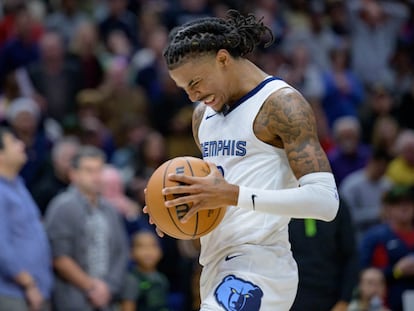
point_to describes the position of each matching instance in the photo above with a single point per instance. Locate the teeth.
(209, 99)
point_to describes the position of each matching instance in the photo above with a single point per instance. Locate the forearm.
(69, 270)
(315, 198)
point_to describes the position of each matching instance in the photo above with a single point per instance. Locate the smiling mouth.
(209, 99)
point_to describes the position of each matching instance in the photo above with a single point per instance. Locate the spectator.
(384, 134)
(125, 157)
(337, 14)
(25, 265)
(21, 47)
(306, 77)
(363, 189)
(327, 259)
(405, 110)
(370, 293)
(119, 18)
(84, 49)
(55, 80)
(343, 91)
(113, 190)
(349, 154)
(152, 153)
(56, 179)
(401, 168)
(401, 65)
(148, 64)
(146, 289)
(118, 100)
(318, 37)
(390, 246)
(88, 240)
(185, 11)
(379, 104)
(11, 91)
(23, 116)
(66, 19)
(375, 24)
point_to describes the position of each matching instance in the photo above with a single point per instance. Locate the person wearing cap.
(24, 117)
(390, 245)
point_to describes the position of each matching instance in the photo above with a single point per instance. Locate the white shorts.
(251, 278)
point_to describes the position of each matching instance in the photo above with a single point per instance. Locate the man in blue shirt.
(25, 260)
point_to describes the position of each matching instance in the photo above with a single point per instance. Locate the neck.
(92, 198)
(370, 172)
(247, 74)
(8, 172)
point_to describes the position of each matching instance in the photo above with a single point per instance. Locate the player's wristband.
(317, 198)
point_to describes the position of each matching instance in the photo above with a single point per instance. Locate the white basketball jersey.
(228, 141)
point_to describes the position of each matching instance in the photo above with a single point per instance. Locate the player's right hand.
(145, 211)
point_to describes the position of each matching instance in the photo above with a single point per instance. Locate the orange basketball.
(168, 219)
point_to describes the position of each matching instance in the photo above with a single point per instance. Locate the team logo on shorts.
(235, 294)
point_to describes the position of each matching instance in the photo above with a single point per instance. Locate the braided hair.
(238, 34)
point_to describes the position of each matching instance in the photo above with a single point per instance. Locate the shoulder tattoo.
(286, 114)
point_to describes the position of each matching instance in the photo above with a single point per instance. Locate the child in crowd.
(146, 289)
(370, 292)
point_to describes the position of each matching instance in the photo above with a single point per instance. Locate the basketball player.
(259, 136)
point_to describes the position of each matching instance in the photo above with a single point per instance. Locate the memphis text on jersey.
(223, 148)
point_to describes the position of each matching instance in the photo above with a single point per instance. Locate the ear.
(223, 57)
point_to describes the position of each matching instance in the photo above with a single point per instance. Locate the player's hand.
(145, 211)
(209, 192)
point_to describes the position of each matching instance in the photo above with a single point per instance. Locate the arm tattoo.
(287, 115)
(197, 118)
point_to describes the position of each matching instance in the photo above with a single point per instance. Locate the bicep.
(294, 122)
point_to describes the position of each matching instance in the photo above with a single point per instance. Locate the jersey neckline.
(251, 93)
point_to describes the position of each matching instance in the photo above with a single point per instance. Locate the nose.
(194, 95)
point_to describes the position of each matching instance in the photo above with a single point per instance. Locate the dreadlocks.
(238, 34)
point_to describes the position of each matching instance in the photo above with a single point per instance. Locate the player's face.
(204, 80)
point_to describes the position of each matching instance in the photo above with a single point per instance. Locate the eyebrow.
(193, 81)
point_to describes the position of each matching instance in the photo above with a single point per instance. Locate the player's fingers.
(181, 178)
(159, 232)
(145, 209)
(189, 214)
(182, 189)
(187, 199)
(212, 166)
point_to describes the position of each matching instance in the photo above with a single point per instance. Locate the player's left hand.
(209, 192)
(145, 211)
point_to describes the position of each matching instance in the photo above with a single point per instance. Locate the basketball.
(168, 219)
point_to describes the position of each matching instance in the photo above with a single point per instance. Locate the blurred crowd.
(90, 74)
